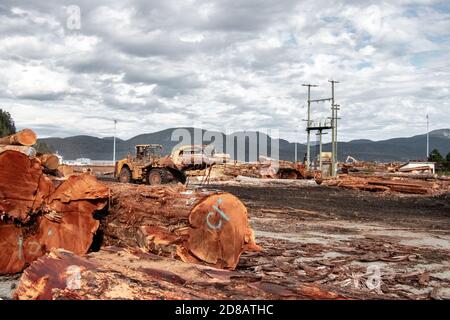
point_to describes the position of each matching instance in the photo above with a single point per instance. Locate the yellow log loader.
(148, 166)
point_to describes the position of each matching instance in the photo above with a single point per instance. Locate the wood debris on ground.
(116, 273)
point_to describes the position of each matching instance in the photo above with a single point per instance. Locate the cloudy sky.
(224, 65)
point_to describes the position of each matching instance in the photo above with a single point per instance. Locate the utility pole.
(428, 139)
(333, 130)
(308, 120)
(114, 148)
(320, 133)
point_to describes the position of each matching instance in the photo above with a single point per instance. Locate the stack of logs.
(269, 168)
(382, 184)
(22, 142)
(254, 170)
(41, 213)
(366, 166)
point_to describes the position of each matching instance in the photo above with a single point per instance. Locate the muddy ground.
(360, 244)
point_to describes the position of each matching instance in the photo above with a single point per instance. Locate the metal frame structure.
(310, 126)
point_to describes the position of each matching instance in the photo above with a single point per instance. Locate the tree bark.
(204, 227)
(26, 137)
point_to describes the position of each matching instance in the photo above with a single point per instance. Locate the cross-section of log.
(114, 273)
(64, 219)
(49, 161)
(18, 247)
(69, 222)
(26, 137)
(193, 225)
(23, 187)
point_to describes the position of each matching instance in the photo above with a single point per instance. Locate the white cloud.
(224, 64)
(33, 81)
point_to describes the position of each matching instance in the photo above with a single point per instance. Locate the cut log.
(198, 226)
(66, 171)
(265, 182)
(114, 273)
(36, 217)
(49, 161)
(28, 151)
(19, 247)
(402, 184)
(26, 137)
(23, 187)
(69, 222)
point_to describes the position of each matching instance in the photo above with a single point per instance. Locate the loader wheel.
(155, 177)
(125, 175)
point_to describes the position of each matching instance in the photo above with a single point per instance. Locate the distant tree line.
(442, 163)
(8, 127)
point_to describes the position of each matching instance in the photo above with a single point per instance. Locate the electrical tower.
(320, 127)
(308, 122)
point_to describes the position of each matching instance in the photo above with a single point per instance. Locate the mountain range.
(396, 149)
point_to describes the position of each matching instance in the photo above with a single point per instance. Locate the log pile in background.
(369, 167)
(49, 161)
(173, 221)
(114, 273)
(382, 184)
(38, 213)
(270, 168)
(254, 170)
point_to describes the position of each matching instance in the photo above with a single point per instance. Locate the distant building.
(418, 167)
(82, 161)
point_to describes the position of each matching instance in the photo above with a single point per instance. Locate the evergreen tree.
(7, 125)
(435, 156)
(447, 159)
